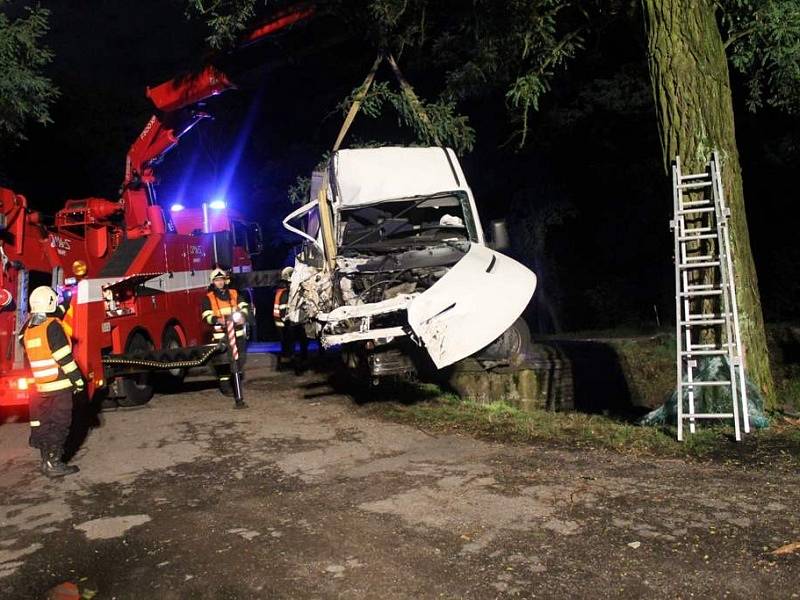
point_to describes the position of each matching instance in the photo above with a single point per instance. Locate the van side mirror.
(498, 235)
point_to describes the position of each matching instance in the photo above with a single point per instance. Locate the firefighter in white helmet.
(57, 378)
(220, 304)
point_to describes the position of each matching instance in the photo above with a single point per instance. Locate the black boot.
(53, 466)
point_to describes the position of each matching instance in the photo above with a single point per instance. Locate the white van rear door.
(471, 306)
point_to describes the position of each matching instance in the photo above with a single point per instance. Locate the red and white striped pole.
(234, 355)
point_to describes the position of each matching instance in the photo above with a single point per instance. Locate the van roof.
(369, 175)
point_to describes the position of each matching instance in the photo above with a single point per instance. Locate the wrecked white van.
(414, 284)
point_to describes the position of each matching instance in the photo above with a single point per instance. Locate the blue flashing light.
(177, 207)
(217, 204)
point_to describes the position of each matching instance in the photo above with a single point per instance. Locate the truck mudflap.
(471, 305)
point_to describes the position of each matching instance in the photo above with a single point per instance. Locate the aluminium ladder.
(706, 318)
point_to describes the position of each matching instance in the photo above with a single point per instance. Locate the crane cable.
(326, 224)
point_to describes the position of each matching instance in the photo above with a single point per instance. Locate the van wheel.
(171, 380)
(138, 389)
(514, 342)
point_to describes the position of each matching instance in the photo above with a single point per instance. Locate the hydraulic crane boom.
(158, 137)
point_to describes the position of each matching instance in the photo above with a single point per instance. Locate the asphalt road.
(305, 495)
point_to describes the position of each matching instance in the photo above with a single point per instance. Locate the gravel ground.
(304, 495)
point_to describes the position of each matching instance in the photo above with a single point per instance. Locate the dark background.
(588, 200)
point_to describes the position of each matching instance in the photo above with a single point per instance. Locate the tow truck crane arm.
(158, 137)
(164, 129)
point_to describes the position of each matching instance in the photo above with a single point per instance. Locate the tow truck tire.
(171, 380)
(138, 390)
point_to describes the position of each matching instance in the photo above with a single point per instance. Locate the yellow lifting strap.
(326, 223)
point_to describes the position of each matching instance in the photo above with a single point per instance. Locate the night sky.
(593, 160)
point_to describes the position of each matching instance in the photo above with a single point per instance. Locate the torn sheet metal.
(399, 302)
(387, 334)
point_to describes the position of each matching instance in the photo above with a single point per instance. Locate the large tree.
(26, 92)
(688, 60)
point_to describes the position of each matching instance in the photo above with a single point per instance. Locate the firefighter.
(66, 312)
(291, 333)
(57, 377)
(220, 303)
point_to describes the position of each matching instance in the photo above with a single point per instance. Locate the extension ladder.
(706, 318)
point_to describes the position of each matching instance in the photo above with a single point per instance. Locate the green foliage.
(764, 45)
(300, 190)
(432, 122)
(481, 49)
(517, 50)
(25, 92)
(226, 19)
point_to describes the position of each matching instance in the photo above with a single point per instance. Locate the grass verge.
(502, 422)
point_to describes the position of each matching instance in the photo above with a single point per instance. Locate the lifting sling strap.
(326, 224)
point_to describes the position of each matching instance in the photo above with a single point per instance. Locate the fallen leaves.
(787, 548)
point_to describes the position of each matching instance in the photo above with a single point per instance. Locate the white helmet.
(218, 272)
(286, 273)
(43, 299)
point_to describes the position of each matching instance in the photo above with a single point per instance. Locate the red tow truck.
(132, 272)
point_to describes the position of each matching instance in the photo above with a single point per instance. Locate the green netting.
(710, 399)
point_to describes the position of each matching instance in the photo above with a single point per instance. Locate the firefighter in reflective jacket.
(57, 377)
(220, 304)
(291, 333)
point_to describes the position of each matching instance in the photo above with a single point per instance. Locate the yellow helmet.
(218, 272)
(43, 299)
(286, 273)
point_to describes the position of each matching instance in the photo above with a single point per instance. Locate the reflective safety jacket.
(49, 352)
(280, 306)
(221, 304)
(66, 312)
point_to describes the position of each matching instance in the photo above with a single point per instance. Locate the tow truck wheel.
(137, 389)
(171, 380)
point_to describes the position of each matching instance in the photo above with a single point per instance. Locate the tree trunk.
(691, 85)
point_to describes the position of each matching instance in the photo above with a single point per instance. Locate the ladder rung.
(719, 346)
(704, 322)
(703, 202)
(693, 238)
(691, 293)
(694, 176)
(702, 316)
(707, 415)
(704, 352)
(693, 185)
(704, 383)
(700, 265)
(686, 211)
(702, 286)
(701, 257)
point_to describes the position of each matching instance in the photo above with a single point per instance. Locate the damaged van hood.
(471, 306)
